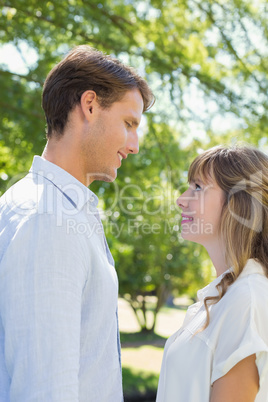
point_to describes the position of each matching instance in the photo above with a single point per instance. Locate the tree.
(207, 63)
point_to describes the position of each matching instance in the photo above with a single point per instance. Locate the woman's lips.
(186, 218)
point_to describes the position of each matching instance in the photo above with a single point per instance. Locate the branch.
(20, 111)
(115, 19)
(143, 309)
(162, 149)
(169, 66)
(229, 44)
(53, 22)
(26, 77)
(136, 312)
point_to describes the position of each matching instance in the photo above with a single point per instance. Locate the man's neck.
(62, 153)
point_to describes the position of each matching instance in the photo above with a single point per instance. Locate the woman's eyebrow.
(198, 180)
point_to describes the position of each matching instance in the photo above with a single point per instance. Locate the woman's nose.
(182, 201)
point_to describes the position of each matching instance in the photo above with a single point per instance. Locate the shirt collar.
(210, 289)
(73, 189)
(252, 267)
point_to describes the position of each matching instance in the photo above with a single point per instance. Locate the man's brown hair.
(85, 68)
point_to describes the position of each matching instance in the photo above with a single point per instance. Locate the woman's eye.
(197, 187)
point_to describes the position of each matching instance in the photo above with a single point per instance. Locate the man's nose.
(133, 143)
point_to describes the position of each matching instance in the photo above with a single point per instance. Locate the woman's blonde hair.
(242, 173)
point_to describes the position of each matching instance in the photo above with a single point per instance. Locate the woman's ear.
(88, 103)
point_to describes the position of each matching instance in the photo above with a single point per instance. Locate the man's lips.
(121, 156)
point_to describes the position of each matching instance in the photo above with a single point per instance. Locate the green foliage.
(207, 63)
(143, 226)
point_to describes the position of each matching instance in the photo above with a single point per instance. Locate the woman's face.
(201, 206)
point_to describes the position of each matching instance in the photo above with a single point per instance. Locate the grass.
(142, 351)
(139, 385)
(141, 338)
(141, 360)
(146, 358)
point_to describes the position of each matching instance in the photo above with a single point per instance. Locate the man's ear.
(88, 103)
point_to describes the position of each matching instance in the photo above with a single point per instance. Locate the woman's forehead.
(202, 173)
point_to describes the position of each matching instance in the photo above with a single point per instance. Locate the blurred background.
(207, 63)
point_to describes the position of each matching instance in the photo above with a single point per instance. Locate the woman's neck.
(216, 252)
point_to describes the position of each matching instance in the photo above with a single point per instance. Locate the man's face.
(111, 136)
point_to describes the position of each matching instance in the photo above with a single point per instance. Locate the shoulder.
(245, 301)
(39, 243)
(38, 200)
(35, 230)
(35, 194)
(240, 322)
(251, 287)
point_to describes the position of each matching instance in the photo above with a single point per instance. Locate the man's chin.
(107, 177)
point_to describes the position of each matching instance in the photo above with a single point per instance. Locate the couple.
(59, 338)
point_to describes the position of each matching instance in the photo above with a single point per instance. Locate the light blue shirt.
(58, 293)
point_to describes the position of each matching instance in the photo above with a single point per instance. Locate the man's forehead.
(132, 107)
(133, 96)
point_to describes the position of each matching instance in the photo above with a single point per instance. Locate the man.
(58, 287)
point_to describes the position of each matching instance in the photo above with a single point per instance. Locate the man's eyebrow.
(135, 122)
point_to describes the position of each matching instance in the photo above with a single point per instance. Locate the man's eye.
(128, 124)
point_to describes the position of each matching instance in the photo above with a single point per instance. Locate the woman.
(221, 352)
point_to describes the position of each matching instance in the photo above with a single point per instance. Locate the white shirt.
(238, 328)
(58, 293)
